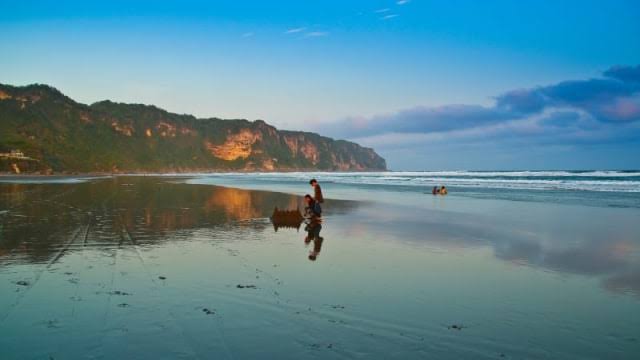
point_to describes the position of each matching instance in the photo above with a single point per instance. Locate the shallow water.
(586, 188)
(153, 267)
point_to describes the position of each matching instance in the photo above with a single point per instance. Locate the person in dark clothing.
(312, 209)
(317, 191)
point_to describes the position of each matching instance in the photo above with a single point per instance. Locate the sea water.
(591, 188)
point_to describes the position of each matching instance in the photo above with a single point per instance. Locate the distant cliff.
(57, 134)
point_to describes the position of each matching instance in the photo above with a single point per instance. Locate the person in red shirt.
(317, 191)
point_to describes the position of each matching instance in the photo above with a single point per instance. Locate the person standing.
(317, 191)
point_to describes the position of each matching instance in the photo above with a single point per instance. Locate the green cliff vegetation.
(57, 134)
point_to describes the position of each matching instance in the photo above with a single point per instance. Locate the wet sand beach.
(165, 268)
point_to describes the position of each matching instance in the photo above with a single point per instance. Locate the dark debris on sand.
(22, 283)
(118, 292)
(208, 311)
(53, 324)
(319, 346)
(456, 327)
(162, 278)
(239, 286)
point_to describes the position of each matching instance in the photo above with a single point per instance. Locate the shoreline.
(599, 188)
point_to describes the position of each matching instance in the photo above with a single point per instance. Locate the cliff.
(57, 134)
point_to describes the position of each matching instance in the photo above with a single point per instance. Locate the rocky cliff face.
(65, 136)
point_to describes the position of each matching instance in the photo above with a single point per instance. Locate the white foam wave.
(601, 181)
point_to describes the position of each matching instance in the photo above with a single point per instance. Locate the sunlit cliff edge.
(54, 134)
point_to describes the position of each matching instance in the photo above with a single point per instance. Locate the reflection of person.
(313, 216)
(313, 233)
(317, 191)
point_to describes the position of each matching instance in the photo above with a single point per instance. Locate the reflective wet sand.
(149, 267)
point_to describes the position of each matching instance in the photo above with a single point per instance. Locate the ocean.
(591, 188)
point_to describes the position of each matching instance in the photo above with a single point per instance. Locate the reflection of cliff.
(37, 221)
(237, 204)
(11, 194)
(167, 219)
(242, 204)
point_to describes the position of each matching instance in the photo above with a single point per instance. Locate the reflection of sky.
(596, 242)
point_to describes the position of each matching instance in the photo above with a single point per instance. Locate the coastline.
(599, 188)
(187, 172)
(294, 170)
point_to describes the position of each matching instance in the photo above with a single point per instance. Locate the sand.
(133, 267)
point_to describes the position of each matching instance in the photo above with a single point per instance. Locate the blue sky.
(428, 84)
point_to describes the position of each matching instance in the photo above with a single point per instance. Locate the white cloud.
(295, 30)
(390, 16)
(402, 2)
(538, 128)
(380, 11)
(403, 139)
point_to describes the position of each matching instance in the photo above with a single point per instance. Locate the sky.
(430, 85)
